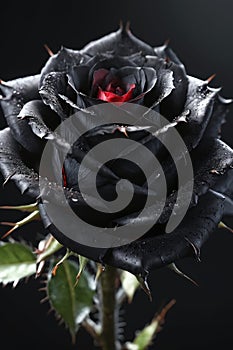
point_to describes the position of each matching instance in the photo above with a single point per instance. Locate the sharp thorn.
(44, 300)
(54, 270)
(40, 268)
(100, 270)
(50, 52)
(6, 223)
(24, 208)
(10, 231)
(174, 268)
(77, 278)
(196, 250)
(123, 130)
(32, 216)
(144, 286)
(211, 78)
(8, 178)
(222, 225)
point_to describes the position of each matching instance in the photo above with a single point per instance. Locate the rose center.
(111, 88)
(115, 94)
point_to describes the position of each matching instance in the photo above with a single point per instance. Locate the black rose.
(121, 68)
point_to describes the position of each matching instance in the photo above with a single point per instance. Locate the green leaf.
(16, 261)
(72, 303)
(130, 284)
(145, 337)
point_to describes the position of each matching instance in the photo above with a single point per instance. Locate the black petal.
(40, 118)
(62, 62)
(171, 87)
(173, 105)
(152, 252)
(167, 54)
(225, 186)
(15, 94)
(12, 165)
(122, 43)
(81, 77)
(218, 117)
(211, 160)
(91, 253)
(54, 84)
(162, 90)
(200, 102)
(156, 250)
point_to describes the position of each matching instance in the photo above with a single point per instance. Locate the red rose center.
(113, 93)
(110, 88)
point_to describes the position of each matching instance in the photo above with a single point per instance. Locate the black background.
(200, 32)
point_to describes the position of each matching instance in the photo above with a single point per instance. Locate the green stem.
(108, 297)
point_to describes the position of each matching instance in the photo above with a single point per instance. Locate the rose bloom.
(121, 68)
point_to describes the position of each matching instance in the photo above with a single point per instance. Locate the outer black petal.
(15, 94)
(225, 184)
(55, 83)
(158, 249)
(211, 161)
(167, 54)
(152, 252)
(40, 118)
(170, 94)
(18, 165)
(225, 187)
(173, 105)
(122, 43)
(62, 62)
(200, 102)
(218, 117)
(91, 253)
(12, 165)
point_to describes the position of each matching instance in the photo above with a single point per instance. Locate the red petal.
(111, 97)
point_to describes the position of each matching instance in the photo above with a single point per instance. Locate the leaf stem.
(108, 308)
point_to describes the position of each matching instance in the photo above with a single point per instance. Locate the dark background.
(201, 34)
